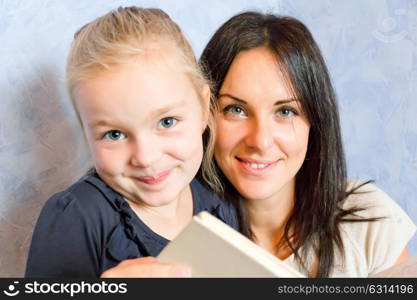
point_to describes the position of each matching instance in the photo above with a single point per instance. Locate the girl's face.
(262, 134)
(144, 123)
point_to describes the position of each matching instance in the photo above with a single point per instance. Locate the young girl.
(143, 105)
(279, 150)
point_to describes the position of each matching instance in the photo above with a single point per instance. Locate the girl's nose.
(145, 152)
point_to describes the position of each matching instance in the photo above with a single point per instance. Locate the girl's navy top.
(89, 228)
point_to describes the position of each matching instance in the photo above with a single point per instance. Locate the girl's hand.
(146, 267)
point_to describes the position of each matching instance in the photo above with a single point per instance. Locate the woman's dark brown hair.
(321, 185)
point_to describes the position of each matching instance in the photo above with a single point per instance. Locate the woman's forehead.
(256, 74)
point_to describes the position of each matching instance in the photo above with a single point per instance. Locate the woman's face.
(262, 134)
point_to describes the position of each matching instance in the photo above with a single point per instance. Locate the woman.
(279, 153)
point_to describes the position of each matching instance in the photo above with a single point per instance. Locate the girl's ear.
(206, 94)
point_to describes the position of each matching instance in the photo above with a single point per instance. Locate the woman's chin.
(253, 194)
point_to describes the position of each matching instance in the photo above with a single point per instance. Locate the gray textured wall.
(370, 47)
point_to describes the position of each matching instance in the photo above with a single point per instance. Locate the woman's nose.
(259, 135)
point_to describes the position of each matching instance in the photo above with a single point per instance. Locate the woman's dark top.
(89, 228)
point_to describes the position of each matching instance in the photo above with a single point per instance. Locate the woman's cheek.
(292, 140)
(226, 135)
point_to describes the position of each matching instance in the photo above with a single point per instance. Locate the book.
(214, 249)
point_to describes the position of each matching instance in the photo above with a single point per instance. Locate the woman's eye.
(114, 135)
(235, 110)
(167, 122)
(286, 112)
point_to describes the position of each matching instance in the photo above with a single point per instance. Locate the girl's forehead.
(140, 87)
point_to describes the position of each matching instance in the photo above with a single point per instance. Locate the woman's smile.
(256, 167)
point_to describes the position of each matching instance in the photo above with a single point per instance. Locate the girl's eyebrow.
(99, 123)
(168, 108)
(156, 113)
(279, 102)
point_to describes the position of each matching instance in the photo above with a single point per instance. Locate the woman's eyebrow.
(279, 102)
(285, 101)
(232, 97)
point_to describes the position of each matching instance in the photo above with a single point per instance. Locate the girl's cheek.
(109, 161)
(186, 144)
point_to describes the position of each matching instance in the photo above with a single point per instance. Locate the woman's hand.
(403, 257)
(146, 267)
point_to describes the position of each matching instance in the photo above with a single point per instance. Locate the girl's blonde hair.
(124, 33)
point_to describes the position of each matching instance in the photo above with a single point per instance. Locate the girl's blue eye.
(235, 110)
(114, 135)
(167, 122)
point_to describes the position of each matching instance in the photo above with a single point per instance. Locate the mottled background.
(370, 47)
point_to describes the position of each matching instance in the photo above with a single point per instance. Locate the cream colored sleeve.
(382, 241)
